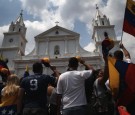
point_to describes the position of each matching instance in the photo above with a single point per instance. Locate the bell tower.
(101, 24)
(14, 41)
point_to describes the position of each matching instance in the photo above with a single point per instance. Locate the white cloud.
(115, 12)
(57, 2)
(32, 31)
(34, 7)
(90, 47)
(2, 30)
(129, 43)
(66, 12)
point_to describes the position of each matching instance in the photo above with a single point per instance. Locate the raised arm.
(126, 53)
(87, 66)
(46, 63)
(104, 78)
(56, 72)
(106, 69)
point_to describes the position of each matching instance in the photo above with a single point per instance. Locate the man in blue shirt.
(35, 90)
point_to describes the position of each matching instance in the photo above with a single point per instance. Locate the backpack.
(103, 103)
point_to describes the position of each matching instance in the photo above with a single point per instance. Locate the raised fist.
(46, 62)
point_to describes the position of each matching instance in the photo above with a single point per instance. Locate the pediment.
(57, 31)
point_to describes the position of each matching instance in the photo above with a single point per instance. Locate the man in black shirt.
(35, 90)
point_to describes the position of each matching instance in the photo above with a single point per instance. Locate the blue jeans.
(78, 110)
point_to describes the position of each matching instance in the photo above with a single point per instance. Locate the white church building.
(57, 43)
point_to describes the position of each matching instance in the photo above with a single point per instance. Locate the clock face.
(10, 40)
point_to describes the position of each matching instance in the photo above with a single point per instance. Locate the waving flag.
(113, 76)
(126, 80)
(129, 19)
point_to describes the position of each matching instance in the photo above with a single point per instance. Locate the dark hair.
(118, 55)
(73, 62)
(37, 67)
(6, 60)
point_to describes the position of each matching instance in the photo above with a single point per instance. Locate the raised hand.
(46, 62)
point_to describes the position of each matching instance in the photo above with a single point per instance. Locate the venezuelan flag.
(113, 76)
(122, 79)
(129, 19)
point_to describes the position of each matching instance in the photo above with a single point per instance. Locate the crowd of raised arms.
(74, 92)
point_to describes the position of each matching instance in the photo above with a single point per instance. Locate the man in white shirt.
(70, 89)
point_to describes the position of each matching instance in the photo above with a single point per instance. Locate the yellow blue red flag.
(113, 76)
(122, 76)
(129, 19)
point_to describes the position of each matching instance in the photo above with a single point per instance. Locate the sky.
(75, 15)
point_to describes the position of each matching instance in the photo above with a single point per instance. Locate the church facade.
(57, 43)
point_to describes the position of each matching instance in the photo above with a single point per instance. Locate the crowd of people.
(73, 92)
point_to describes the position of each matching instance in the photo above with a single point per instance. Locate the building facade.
(57, 43)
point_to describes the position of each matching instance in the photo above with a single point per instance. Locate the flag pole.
(123, 22)
(121, 36)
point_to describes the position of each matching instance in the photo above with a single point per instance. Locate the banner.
(129, 19)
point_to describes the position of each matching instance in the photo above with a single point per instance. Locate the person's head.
(13, 79)
(100, 73)
(73, 63)
(54, 74)
(118, 55)
(96, 74)
(86, 68)
(6, 60)
(37, 67)
(4, 72)
(12, 85)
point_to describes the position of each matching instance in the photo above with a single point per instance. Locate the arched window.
(19, 29)
(56, 50)
(102, 22)
(13, 28)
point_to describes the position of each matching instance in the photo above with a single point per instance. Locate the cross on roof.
(97, 6)
(21, 12)
(56, 23)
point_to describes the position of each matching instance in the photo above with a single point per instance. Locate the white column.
(47, 47)
(77, 48)
(36, 48)
(65, 45)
